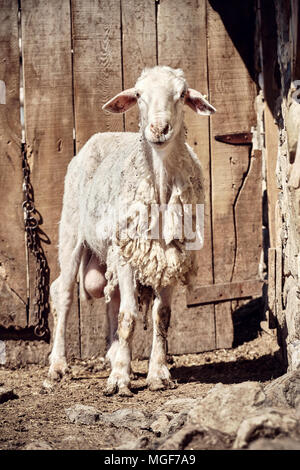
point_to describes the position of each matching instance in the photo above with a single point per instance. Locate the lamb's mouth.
(159, 143)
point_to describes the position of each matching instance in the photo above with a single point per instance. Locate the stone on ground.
(225, 406)
(7, 394)
(83, 414)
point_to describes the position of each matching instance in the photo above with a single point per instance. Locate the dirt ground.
(38, 417)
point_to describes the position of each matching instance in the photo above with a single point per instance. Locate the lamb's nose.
(165, 130)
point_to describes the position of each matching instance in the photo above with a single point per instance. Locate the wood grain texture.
(232, 93)
(97, 66)
(46, 35)
(97, 60)
(248, 213)
(12, 242)
(224, 325)
(138, 47)
(225, 291)
(192, 329)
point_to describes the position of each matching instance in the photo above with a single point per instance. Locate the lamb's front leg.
(158, 375)
(120, 351)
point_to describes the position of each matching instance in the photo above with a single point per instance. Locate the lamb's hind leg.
(120, 351)
(61, 293)
(158, 375)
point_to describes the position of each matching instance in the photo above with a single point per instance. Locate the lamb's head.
(161, 93)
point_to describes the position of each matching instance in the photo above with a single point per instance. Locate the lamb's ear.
(121, 102)
(198, 103)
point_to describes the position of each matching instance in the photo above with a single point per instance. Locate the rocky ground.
(238, 398)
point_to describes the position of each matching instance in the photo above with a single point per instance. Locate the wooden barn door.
(76, 55)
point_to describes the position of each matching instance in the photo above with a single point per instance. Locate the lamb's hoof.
(58, 369)
(160, 384)
(47, 386)
(110, 390)
(124, 391)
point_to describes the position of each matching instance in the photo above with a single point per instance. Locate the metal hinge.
(238, 138)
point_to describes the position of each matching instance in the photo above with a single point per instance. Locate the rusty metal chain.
(33, 240)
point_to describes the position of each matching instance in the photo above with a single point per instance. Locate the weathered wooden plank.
(96, 27)
(12, 243)
(224, 325)
(232, 92)
(248, 219)
(181, 41)
(46, 39)
(97, 66)
(268, 34)
(225, 291)
(192, 329)
(138, 47)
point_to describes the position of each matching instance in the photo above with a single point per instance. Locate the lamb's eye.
(182, 95)
(137, 95)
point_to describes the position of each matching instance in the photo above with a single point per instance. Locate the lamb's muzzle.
(115, 173)
(161, 132)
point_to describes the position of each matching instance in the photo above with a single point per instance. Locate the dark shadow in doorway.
(246, 321)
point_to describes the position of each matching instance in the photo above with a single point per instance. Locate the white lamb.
(124, 173)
